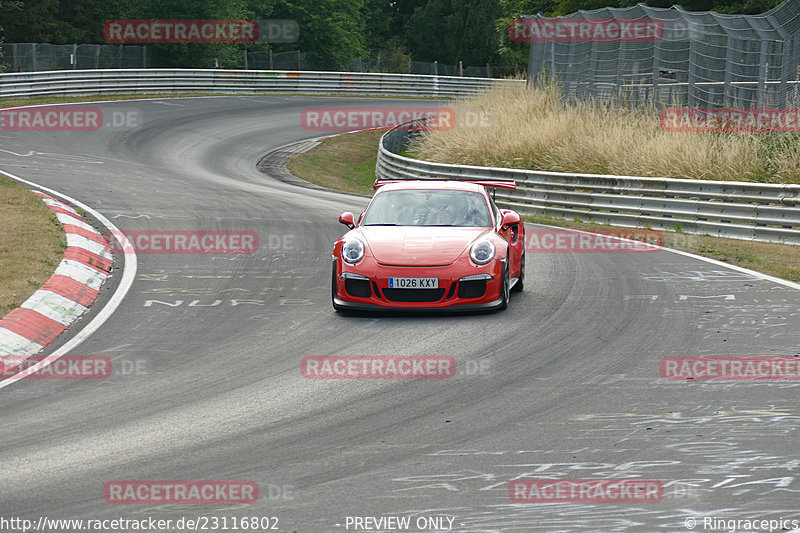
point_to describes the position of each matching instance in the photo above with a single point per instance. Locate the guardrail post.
(762, 74)
(298, 60)
(656, 96)
(270, 61)
(786, 47)
(74, 56)
(97, 56)
(460, 69)
(728, 93)
(33, 49)
(691, 94)
(435, 68)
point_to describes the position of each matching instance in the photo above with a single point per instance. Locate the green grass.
(345, 162)
(32, 244)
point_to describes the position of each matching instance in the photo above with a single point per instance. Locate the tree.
(331, 31)
(512, 54)
(454, 30)
(57, 21)
(191, 55)
(7, 6)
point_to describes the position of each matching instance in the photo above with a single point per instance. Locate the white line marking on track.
(760, 275)
(129, 216)
(76, 158)
(128, 275)
(684, 297)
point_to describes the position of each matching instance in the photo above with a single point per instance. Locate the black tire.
(333, 288)
(505, 294)
(520, 284)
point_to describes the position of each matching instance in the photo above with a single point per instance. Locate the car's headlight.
(353, 250)
(482, 252)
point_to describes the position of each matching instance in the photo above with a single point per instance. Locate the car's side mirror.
(510, 218)
(346, 218)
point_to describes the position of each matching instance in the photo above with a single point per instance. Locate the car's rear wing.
(495, 183)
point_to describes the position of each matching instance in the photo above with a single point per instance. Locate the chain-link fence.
(694, 59)
(269, 60)
(29, 57)
(297, 60)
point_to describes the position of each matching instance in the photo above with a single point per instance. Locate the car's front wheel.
(505, 294)
(333, 288)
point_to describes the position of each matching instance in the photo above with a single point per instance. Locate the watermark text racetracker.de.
(69, 367)
(57, 118)
(542, 29)
(364, 118)
(180, 492)
(378, 367)
(554, 240)
(767, 120)
(65, 367)
(585, 490)
(187, 242)
(756, 368)
(200, 31)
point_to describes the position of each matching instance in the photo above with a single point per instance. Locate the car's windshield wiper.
(381, 224)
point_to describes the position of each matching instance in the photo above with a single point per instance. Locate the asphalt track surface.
(564, 384)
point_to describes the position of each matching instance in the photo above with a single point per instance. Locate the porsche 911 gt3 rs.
(429, 245)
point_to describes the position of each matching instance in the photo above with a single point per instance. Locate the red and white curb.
(74, 285)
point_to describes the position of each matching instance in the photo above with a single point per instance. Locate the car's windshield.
(425, 207)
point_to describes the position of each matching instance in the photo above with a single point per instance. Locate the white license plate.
(413, 283)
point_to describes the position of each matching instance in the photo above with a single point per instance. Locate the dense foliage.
(331, 31)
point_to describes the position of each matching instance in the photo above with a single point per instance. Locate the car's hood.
(419, 245)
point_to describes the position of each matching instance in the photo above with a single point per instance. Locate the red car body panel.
(429, 244)
(428, 252)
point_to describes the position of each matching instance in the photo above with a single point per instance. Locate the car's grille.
(358, 288)
(471, 289)
(413, 295)
(452, 290)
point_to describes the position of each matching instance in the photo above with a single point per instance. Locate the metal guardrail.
(755, 211)
(739, 210)
(91, 82)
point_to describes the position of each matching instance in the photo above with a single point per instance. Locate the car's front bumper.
(453, 294)
(453, 308)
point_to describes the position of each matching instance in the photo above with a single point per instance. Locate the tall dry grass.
(537, 129)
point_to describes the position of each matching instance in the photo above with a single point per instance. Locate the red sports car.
(429, 245)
